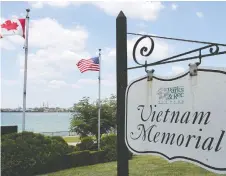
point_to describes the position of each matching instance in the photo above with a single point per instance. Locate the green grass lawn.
(139, 166)
(76, 138)
(72, 139)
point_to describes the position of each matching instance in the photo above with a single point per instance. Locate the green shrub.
(94, 147)
(86, 143)
(58, 138)
(84, 158)
(109, 140)
(97, 156)
(81, 158)
(109, 145)
(71, 148)
(28, 153)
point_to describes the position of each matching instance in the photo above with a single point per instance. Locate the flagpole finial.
(27, 10)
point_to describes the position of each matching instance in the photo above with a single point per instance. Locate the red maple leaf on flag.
(9, 25)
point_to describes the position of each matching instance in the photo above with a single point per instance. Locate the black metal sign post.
(121, 72)
(210, 49)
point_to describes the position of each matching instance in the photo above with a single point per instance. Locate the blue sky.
(61, 33)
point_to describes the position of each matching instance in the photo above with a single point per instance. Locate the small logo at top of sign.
(171, 95)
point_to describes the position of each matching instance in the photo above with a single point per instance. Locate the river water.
(39, 121)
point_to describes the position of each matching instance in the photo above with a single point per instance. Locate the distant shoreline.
(36, 111)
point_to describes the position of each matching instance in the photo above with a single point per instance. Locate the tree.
(85, 119)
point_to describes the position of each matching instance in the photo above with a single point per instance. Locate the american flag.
(91, 64)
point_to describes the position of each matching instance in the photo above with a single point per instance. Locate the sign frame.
(145, 51)
(158, 153)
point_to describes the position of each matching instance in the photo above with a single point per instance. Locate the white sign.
(181, 118)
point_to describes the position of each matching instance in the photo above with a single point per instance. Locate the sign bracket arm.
(211, 49)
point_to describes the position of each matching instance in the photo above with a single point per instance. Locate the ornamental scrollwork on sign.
(144, 51)
(216, 51)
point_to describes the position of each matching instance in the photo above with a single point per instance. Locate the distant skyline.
(61, 33)
(40, 106)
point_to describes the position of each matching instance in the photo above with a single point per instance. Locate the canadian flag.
(13, 27)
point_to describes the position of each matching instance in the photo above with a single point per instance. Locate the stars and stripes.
(91, 64)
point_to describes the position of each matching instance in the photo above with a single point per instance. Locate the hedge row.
(84, 158)
(87, 143)
(74, 159)
(108, 144)
(30, 154)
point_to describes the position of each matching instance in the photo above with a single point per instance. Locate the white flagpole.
(25, 68)
(99, 108)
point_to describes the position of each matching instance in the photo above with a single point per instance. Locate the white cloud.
(59, 49)
(75, 86)
(39, 68)
(38, 82)
(58, 3)
(177, 70)
(57, 84)
(52, 36)
(200, 14)
(133, 9)
(61, 84)
(53, 53)
(16, 41)
(108, 53)
(37, 5)
(107, 80)
(141, 25)
(174, 6)
(87, 81)
(111, 53)
(2, 19)
(9, 82)
(55, 35)
(6, 44)
(161, 49)
(40, 4)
